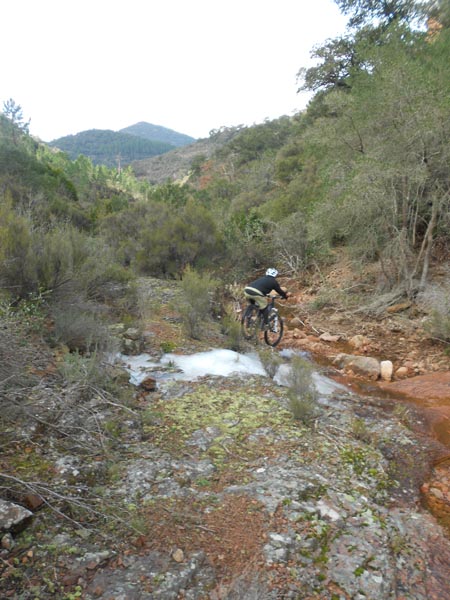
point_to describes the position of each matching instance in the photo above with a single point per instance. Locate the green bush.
(302, 392)
(196, 307)
(80, 328)
(270, 360)
(76, 368)
(17, 255)
(167, 347)
(233, 331)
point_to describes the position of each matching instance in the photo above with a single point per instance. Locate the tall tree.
(380, 12)
(13, 112)
(341, 58)
(387, 152)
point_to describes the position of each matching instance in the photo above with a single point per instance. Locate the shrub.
(437, 301)
(79, 328)
(195, 309)
(360, 431)
(270, 360)
(233, 331)
(167, 347)
(302, 392)
(79, 369)
(17, 256)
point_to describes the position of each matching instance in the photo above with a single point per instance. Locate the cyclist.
(257, 290)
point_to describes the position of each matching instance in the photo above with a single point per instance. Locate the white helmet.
(272, 272)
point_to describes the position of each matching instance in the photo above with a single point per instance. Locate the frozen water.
(214, 362)
(138, 367)
(324, 385)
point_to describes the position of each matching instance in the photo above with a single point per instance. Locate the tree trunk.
(427, 244)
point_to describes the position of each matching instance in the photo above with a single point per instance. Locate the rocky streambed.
(233, 498)
(213, 489)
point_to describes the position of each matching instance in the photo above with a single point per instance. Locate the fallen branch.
(43, 491)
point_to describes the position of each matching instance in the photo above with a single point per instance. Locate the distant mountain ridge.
(109, 148)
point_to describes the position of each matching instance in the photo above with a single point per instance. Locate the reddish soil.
(421, 365)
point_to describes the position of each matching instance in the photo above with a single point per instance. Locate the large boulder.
(365, 366)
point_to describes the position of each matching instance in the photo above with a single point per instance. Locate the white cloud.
(190, 65)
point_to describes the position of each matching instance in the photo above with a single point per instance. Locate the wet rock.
(431, 385)
(149, 384)
(132, 347)
(118, 374)
(436, 493)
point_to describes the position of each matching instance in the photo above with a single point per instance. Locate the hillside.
(104, 146)
(157, 133)
(177, 163)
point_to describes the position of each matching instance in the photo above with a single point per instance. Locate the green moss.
(232, 414)
(167, 347)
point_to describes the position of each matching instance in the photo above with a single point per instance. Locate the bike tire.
(273, 338)
(250, 322)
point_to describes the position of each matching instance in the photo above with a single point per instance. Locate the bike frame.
(253, 323)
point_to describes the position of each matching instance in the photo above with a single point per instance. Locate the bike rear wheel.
(250, 322)
(274, 332)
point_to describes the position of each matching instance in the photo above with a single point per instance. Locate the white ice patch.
(215, 362)
(324, 385)
(138, 366)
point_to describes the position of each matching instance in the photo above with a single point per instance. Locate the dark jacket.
(266, 284)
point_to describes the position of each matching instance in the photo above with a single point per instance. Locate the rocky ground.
(212, 489)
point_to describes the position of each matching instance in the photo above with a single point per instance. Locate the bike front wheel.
(274, 332)
(250, 322)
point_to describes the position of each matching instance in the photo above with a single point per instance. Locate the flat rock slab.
(432, 386)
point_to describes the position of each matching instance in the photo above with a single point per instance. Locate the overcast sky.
(189, 65)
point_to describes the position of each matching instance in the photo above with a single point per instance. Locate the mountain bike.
(252, 323)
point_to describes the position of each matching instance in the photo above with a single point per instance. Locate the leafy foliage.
(198, 296)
